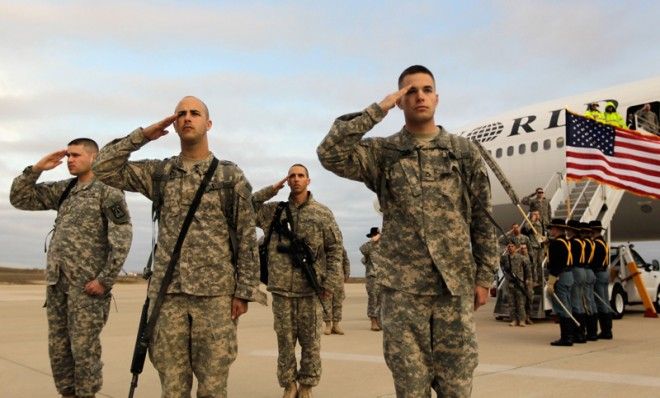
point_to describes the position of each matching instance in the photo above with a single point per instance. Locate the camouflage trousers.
(298, 319)
(429, 342)
(373, 297)
(518, 304)
(194, 335)
(333, 305)
(75, 321)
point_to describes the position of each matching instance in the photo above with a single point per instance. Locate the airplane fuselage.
(529, 146)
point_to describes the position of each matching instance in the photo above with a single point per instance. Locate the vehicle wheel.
(618, 302)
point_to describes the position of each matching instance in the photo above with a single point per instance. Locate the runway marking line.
(491, 369)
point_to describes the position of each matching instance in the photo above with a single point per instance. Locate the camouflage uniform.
(296, 307)
(373, 289)
(541, 205)
(91, 239)
(333, 304)
(518, 240)
(516, 264)
(204, 279)
(537, 251)
(436, 245)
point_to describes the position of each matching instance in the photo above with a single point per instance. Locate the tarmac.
(514, 361)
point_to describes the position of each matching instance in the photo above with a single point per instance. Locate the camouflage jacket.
(315, 223)
(540, 205)
(517, 239)
(432, 229)
(92, 233)
(205, 267)
(519, 265)
(366, 249)
(345, 264)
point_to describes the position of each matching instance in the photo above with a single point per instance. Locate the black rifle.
(517, 283)
(301, 254)
(148, 321)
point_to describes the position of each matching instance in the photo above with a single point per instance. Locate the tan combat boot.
(328, 328)
(305, 391)
(291, 391)
(528, 321)
(336, 329)
(374, 325)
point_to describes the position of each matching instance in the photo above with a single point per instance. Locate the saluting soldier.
(560, 279)
(91, 239)
(211, 276)
(538, 202)
(297, 310)
(373, 289)
(438, 250)
(600, 265)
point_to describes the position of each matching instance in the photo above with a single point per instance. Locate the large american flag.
(618, 157)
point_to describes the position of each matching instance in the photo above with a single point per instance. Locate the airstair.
(585, 201)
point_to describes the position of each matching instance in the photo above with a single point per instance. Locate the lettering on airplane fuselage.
(525, 123)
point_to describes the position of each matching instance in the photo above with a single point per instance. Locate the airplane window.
(521, 149)
(498, 153)
(546, 144)
(509, 151)
(534, 147)
(560, 142)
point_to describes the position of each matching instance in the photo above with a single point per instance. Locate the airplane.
(529, 146)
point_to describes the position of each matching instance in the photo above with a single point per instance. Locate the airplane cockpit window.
(547, 144)
(509, 151)
(560, 142)
(534, 147)
(521, 149)
(498, 153)
(644, 117)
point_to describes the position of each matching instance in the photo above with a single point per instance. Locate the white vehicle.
(622, 289)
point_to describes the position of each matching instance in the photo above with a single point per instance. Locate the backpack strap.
(66, 192)
(159, 180)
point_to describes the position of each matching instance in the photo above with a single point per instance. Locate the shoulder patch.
(117, 213)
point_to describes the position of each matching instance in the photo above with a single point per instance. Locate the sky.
(276, 74)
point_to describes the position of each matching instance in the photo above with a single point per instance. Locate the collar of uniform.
(309, 200)
(80, 187)
(200, 167)
(441, 140)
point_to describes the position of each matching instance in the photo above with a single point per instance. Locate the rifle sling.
(167, 278)
(276, 218)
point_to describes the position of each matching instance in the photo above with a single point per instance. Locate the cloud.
(276, 74)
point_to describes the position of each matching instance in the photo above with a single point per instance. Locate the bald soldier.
(91, 239)
(433, 274)
(212, 276)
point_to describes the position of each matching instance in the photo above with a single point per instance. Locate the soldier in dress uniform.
(373, 289)
(578, 299)
(560, 279)
(591, 320)
(600, 265)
